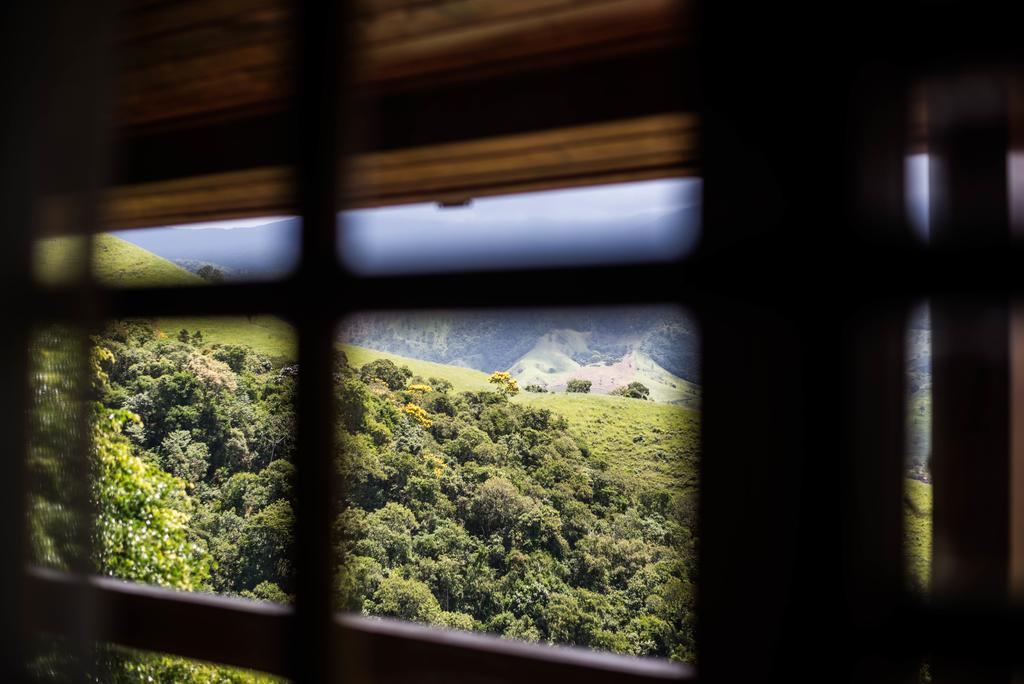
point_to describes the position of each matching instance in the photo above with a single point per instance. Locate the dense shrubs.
(481, 513)
(633, 390)
(216, 421)
(579, 386)
(464, 510)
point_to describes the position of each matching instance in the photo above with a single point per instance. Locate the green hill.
(118, 263)
(917, 508)
(115, 263)
(565, 339)
(639, 440)
(266, 334)
(552, 362)
(462, 379)
(642, 441)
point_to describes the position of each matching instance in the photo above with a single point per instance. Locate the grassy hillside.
(266, 334)
(551, 363)
(462, 379)
(119, 263)
(639, 440)
(115, 262)
(917, 500)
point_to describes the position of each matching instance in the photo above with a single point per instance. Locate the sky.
(653, 220)
(630, 222)
(916, 193)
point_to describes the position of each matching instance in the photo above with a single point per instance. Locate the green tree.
(633, 390)
(386, 371)
(408, 599)
(183, 458)
(507, 385)
(143, 514)
(496, 507)
(579, 386)
(211, 273)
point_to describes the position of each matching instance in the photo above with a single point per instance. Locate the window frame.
(803, 141)
(308, 641)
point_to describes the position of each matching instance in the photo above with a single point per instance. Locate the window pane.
(918, 498)
(190, 448)
(528, 474)
(630, 222)
(184, 255)
(58, 492)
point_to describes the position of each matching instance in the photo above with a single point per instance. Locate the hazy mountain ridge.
(266, 251)
(611, 346)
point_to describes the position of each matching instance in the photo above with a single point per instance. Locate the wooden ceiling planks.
(472, 37)
(266, 191)
(582, 155)
(193, 59)
(181, 61)
(190, 67)
(642, 148)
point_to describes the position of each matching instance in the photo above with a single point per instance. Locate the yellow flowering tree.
(507, 385)
(419, 414)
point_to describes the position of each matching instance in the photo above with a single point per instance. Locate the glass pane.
(184, 255)
(528, 474)
(58, 495)
(916, 169)
(918, 496)
(630, 222)
(199, 412)
(190, 443)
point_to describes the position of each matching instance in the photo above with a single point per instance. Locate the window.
(801, 282)
(531, 474)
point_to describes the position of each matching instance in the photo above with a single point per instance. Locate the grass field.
(266, 334)
(550, 364)
(642, 440)
(119, 263)
(462, 379)
(114, 262)
(917, 499)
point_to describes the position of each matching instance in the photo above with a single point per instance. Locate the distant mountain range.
(657, 346)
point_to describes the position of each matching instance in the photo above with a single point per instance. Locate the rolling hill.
(613, 346)
(115, 263)
(488, 340)
(552, 362)
(119, 263)
(639, 440)
(261, 252)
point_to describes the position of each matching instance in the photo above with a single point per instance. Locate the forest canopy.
(467, 510)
